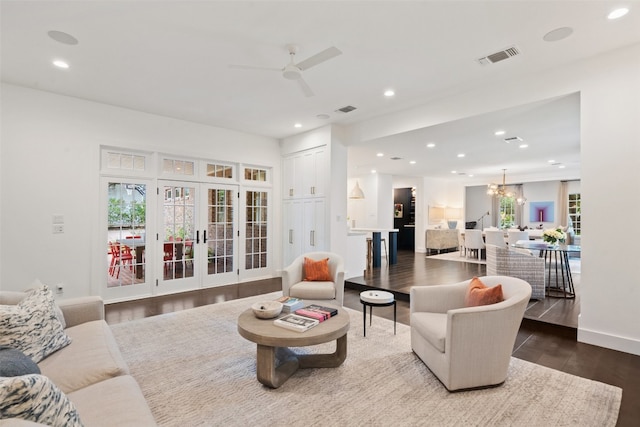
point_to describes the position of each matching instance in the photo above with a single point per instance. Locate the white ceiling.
(172, 58)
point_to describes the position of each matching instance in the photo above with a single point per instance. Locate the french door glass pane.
(126, 232)
(256, 230)
(179, 230)
(220, 231)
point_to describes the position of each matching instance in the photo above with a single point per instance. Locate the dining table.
(556, 258)
(376, 237)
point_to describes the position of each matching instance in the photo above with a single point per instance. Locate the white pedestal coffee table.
(272, 342)
(376, 299)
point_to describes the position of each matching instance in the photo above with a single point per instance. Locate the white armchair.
(293, 283)
(467, 347)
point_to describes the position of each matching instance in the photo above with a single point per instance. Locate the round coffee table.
(272, 342)
(376, 299)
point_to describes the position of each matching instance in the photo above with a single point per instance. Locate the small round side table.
(376, 299)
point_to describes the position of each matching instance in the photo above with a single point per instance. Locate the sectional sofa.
(90, 371)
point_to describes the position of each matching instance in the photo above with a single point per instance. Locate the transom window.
(129, 162)
(255, 174)
(219, 171)
(178, 167)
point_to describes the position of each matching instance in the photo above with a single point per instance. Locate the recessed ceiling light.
(380, 154)
(524, 145)
(470, 175)
(454, 171)
(431, 145)
(461, 155)
(551, 161)
(62, 37)
(499, 132)
(297, 125)
(558, 34)
(561, 166)
(60, 64)
(412, 162)
(373, 171)
(618, 13)
(388, 93)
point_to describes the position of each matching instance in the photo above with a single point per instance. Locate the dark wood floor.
(414, 269)
(540, 342)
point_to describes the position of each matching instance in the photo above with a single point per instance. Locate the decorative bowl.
(267, 309)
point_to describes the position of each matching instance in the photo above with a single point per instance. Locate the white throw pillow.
(32, 325)
(35, 398)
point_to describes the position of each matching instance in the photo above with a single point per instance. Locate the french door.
(125, 247)
(170, 236)
(197, 235)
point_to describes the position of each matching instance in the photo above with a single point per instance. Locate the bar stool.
(370, 250)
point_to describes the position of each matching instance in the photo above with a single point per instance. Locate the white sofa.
(467, 347)
(91, 371)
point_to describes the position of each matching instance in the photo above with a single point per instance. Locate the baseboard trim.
(624, 344)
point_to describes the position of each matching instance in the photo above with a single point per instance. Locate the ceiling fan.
(293, 71)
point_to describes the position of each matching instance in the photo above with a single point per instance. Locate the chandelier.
(499, 190)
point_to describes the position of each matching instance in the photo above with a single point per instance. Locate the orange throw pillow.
(317, 271)
(479, 294)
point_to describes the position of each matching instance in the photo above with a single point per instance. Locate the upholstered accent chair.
(518, 263)
(295, 285)
(467, 347)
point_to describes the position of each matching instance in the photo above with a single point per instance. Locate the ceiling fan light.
(291, 72)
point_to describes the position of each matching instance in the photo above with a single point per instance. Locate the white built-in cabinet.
(304, 206)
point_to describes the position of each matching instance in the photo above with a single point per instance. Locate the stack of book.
(317, 312)
(290, 304)
(306, 318)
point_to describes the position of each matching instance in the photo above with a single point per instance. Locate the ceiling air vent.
(396, 158)
(499, 56)
(346, 109)
(512, 139)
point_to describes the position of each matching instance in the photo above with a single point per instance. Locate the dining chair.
(514, 235)
(473, 242)
(495, 237)
(119, 257)
(461, 247)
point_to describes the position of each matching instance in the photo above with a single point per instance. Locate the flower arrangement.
(554, 236)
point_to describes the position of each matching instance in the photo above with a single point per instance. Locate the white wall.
(50, 165)
(609, 85)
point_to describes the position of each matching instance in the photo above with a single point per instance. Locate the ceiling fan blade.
(319, 58)
(251, 67)
(305, 88)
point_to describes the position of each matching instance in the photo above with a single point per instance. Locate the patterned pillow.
(35, 398)
(32, 326)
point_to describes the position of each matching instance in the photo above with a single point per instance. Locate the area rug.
(196, 370)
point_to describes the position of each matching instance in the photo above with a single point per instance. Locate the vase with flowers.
(554, 236)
